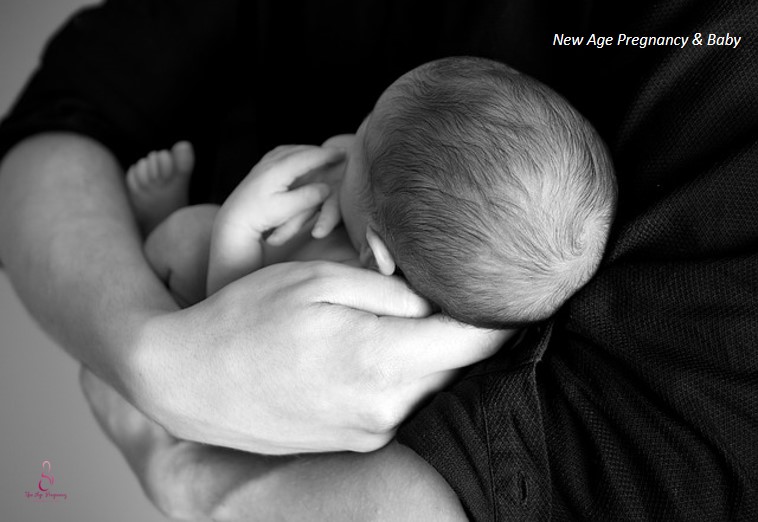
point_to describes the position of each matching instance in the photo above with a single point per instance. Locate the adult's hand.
(301, 357)
(277, 362)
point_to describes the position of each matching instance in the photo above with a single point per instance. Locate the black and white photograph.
(321, 260)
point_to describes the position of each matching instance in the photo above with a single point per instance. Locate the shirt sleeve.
(133, 74)
(644, 403)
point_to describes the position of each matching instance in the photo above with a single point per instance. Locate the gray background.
(42, 413)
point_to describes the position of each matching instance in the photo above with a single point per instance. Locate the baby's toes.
(137, 177)
(154, 169)
(183, 157)
(166, 167)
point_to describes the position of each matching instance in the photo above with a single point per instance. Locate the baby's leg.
(158, 184)
(178, 251)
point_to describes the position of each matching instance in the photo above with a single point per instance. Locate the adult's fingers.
(429, 345)
(404, 334)
(372, 292)
(420, 389)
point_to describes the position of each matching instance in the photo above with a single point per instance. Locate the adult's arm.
(229, 370)
(186, 480)
(70, 246)
(391, 484)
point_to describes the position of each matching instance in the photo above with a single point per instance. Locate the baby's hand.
(330, 215)
(265, 201)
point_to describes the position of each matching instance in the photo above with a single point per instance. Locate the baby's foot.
(159, 184)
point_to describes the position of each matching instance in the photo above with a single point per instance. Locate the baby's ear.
(384, 260)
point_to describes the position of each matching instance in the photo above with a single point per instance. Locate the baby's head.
(486, 189)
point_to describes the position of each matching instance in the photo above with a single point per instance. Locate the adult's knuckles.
(383, 418)
(320, 281)
(383, 408)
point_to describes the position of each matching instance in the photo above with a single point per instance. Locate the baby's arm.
(264, 202)
(392, 484)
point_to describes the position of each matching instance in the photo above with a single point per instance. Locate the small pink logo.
(49, 478)
(44, 486)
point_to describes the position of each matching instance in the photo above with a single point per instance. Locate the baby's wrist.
(230, 230)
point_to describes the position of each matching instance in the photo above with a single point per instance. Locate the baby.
(482, 187)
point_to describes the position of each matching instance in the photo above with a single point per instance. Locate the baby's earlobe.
(385, 261)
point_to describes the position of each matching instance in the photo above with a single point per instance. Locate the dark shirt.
(639, 399)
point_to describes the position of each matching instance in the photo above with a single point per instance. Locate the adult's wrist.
(175, 372)
(149, 368)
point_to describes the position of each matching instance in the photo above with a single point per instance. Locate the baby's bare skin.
(178, 251)
(241, 485)
(198, 249)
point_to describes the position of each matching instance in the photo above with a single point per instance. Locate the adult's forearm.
(73, 253)
(393, 484)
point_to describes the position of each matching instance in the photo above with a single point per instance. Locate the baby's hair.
(494, 195)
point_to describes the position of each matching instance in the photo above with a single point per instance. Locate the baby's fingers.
(287, 205)
(329, 218)
(295, 208)
(288, 230)
(282, 151)
(303, 198)
(293, 162)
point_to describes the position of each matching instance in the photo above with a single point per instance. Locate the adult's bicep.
(133, 74)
